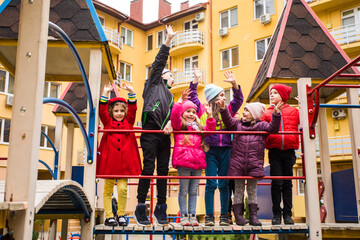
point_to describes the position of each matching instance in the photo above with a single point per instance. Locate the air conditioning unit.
(340, 113)
(223, 32)
(9, 100)
(200, 16)
(265, 19)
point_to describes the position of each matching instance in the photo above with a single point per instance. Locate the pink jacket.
(190, 155)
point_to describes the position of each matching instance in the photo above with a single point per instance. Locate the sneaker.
(288, 220)
(122, 221)
(111, 222)
(184, 220)
(276, 220)
(230, 219)
(193, 220)
(160, 214)
(209, 220)
(140, 216)
(224, 221)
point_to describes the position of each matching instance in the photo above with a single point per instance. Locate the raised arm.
(230, 122)
(132, 107)
(238, 97)
(274, 125)
(103, 106)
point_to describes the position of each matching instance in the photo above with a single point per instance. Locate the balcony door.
(350, 20)
(189, 64)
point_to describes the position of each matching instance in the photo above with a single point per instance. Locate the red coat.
(289, 122)
(119, 153)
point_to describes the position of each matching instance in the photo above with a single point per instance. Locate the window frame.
(103, 20)
(2, 130)
(49, 84)
(192, 23)
(229, 92)
(7, 83)
(147, 42)
(123, 78)
(125, 38)
(267, 41)
(264, 8)
(229, 18)
(354, 14)
(158, 45)
(47, 145)
(230, 58)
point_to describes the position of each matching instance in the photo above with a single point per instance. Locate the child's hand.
(221, 103)
(279, 107)
(208, 109)
(184, 95)
(170, 34)
(230, 78)
(197, 75)
(128, 88)
(107, 89)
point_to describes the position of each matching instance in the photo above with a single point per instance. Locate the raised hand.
(184, 95)
(197, 75)
(170, 34)
(107, 89)
(221, 103)
(230, 78)
(127, 87)
(208, 110)
(279, 107)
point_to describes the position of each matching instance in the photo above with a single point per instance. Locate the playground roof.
(78, 19)
(301, 47)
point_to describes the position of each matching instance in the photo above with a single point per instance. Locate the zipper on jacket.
(282, 136)
(156, 105)
(167, 116)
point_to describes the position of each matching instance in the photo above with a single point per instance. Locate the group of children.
(218, 154)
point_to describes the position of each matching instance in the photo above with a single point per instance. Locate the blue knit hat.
(211, 91)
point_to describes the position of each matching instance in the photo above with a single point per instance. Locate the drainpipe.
(211, 46)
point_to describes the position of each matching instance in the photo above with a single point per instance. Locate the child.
(188, 155)
(218, 156)
(282, 153)
(119, 154)
(247, 154)
(158, 102)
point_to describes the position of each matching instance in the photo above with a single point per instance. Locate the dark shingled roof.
(300, 47)
(73, 16)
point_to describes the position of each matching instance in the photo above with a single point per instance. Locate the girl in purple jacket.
(247, 154)
(188, 155)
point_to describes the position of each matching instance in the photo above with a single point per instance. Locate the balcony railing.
(186, 76)
(113, 37)
(188, 37)
(346, 34)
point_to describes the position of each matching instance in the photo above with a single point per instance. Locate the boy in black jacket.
(158, 102)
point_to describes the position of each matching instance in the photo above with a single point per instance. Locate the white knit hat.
(256, 109)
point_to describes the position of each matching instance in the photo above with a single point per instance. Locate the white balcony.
(187, 40)
(346, 34)
(113, 37)
(184, 77)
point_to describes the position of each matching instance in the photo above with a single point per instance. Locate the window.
(4, 130)
(127, 36)
(190, 62)
(229, 18)
(125, 71)
(191, 25)
(230, 58)
(6, 82)
(149, 43)
(161, 36)
(350, 20)
(264, 6)
(228, 95)
(51, 90)
(148, 71)
(50, 132)
(102, 21)
(261, 47)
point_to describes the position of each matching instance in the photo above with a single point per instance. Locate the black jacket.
(158, 100)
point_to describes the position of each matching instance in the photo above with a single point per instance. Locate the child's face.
(247, 117)
(275, 97)
(221, 96)
(119, 112)
(189, 115)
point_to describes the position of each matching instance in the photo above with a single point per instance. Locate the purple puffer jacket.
(247, 151)
(217, 140)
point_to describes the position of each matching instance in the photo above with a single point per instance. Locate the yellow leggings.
(122, 196)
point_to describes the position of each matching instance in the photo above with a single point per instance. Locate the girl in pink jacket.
(188, 155)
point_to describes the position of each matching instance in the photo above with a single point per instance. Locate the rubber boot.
(238, 210)
(253, 208)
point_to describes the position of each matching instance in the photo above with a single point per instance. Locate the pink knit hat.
(188, 104)
(256, 109)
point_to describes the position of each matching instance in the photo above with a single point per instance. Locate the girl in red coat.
(282, 153)
(119, 153)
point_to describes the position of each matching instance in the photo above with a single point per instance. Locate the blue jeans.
(217, 160)
(188, 186)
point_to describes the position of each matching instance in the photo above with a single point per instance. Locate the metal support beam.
(311, 190)
(26, 114)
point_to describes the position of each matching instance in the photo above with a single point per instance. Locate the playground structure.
(29, 78)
